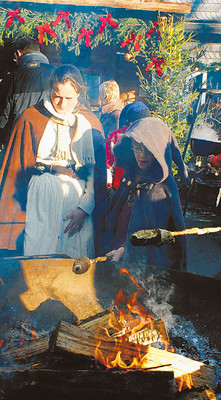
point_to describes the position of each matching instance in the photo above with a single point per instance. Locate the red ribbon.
(62, 14)
(151, 31)
(157, 63)
(12, 15)
(86, 34)
(132, 38)
(107, 20)
(45, 28)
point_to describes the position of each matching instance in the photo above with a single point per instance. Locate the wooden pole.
(145, 5)
(158, 236)
(196, 231)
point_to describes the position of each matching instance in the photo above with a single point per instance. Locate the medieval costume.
(44, 178)
(146, 199)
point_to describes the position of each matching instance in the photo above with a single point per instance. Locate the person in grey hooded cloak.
(147, 197)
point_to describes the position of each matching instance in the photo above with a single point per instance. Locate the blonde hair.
(109, 91)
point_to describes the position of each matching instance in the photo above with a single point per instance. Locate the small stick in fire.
(82, 264)
(157, 237)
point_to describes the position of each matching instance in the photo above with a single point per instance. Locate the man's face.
(64, 97)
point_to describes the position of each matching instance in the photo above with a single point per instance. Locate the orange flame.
(33, 334)
(22, 340)
(118, 350)
(131, 318)
(185, 380)
(125, 271)
(1, 280)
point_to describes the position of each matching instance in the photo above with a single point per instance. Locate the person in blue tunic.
(147, 197)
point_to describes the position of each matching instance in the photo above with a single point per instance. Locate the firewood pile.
(119, 362)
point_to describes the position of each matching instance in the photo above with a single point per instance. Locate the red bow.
(106, 20)
(86, 34)
(62, 14)
(151, 31)
(132, 38)
(157, 63)
(12, 15)
(45, 28)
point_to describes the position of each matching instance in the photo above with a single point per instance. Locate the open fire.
(129, 322)
(126, 337)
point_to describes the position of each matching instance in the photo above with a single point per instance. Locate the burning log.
(150, 333)
(158, 363)
(78, 340)
(187, 372)
(157, 237)
(92, 323)
(27, 350)
(156, 333)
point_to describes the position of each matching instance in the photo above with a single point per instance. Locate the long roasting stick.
(198, 231)
(156, 237)
(144, 237)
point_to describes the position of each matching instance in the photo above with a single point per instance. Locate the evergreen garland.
(160, 49)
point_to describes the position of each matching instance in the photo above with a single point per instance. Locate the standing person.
(109, 96)
(47, 183)
(26, 85)
(130, 113)
(147, 197)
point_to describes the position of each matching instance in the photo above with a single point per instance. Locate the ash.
(15, 337)
(187, 342)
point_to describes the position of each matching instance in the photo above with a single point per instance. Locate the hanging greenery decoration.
(79, 29)
(160, 49)
(75, 30)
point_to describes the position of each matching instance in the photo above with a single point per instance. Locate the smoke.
(157, 299)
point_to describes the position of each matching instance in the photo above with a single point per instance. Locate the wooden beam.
(144, 5)
(212, 28)
(87, 384)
